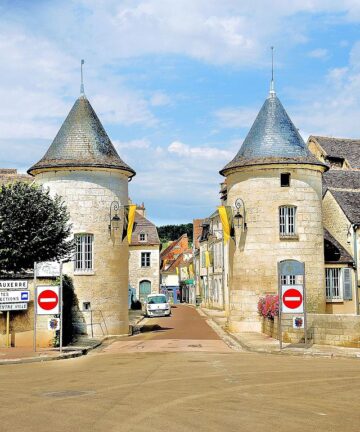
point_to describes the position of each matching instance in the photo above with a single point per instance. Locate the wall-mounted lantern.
(114, 218)
(240, 214)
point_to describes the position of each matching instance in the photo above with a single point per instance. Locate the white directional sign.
(48, 269)
(13, 306)
(47, 300)
(12, 296)
(13, 284)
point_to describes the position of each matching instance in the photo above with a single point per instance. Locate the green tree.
(173, 232)
(34, 227)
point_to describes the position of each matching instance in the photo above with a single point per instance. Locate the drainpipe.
(355, 227)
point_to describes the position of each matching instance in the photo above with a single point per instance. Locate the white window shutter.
(347, 288)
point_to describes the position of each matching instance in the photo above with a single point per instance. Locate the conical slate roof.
(81, 142)
(272, 139)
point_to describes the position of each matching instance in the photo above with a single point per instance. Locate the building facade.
(144, 257)
(83, 167)
(274, 186)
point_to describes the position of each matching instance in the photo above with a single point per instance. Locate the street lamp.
(114, 218)
(238, 217)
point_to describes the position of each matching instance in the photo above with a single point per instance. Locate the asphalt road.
(113, 390)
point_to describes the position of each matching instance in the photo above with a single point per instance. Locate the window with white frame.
(145, 259)
(287, 215)
(338, 283)
(288, 279)
(142, 237)
(84, 255)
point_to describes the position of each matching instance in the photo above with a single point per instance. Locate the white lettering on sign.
(11, 284)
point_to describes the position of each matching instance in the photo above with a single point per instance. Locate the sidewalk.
(261, 343)
(80, 347)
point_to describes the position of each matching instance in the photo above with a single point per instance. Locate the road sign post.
(7, 329)
(291, 292)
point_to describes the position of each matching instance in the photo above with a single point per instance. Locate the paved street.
(117, 390)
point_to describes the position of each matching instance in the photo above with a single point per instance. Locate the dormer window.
(285, 179)
(142, 237)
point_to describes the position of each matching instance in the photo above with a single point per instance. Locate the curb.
(249, 348)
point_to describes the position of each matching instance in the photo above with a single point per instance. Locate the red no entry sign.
(292, 299)
(47, 300)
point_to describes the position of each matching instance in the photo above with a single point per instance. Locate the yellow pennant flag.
(129, 218)
(177, 270)
(207, 259)
(191, 270)
(226, 223)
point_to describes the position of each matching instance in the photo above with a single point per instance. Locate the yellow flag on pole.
(177, 270)
(226, 222)
(207, 259)
(129, 218)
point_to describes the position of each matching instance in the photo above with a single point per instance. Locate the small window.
(285, 179)
(142, 237)
(287, 216)
(338, 282)
(288, 279)
(86, 306)
(145, 259)
(84, 252)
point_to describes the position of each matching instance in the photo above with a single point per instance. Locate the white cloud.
(319, 53)
(184, 150)
(232, 117)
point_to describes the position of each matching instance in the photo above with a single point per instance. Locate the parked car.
(157, 305)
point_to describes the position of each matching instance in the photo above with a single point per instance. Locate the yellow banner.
(191, 270)
(177, 270)
(132, 211)
(207, 259)
(226, 223)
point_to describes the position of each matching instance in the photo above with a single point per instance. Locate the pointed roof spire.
(81, 142)
(272, 85)
(82, 93)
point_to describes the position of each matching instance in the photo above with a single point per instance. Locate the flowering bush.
(268, 306)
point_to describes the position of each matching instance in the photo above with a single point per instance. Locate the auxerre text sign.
(13, 306)
(14, 296)
(13, 284)
(47, 300)
(292, 299)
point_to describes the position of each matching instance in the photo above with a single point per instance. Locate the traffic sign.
(13, 306)
(12, 296)
(292, 297)
(13, 284)
(47, 300)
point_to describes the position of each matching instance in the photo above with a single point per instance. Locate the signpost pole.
(61, 306)
(280, 307)
(8, 329)
(35, 297)
(305, 309)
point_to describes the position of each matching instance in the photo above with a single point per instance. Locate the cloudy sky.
(176, 84)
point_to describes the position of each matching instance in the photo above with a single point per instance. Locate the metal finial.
(272, 86)
(82, 79)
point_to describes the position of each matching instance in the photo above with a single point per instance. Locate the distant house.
(10, 175)
(144, 260)
(341, 219)
(170, 259)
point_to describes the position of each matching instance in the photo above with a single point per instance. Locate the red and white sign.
(292, 297)
(47, 300)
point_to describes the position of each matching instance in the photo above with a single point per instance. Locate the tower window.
(145, 259)
(142, 237)
(287, 216)
(285, 179)
(84, 252)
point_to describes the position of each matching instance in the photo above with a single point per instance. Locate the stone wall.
(22, 324)
(323, 329)
(88, 194)
(138, 273)
(253, 262)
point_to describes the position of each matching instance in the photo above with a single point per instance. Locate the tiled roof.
(348, 149)
(341, 179)
(143, 225)
(171, 246)
(82, 142)
(349, 202)
(333, 247)
(272, 139)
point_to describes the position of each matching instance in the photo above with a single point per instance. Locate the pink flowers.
(268, 306)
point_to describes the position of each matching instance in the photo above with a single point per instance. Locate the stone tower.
(278, 185)
(84, 168)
